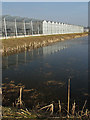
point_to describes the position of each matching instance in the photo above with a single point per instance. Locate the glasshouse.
(21, 26)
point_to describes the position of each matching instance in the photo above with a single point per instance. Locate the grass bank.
(13, 45)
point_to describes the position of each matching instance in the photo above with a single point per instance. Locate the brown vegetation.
(40, 111)
(14, 45)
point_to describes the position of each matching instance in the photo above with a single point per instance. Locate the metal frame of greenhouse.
(14, 26)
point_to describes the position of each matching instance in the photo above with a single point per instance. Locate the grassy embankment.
(14, 45)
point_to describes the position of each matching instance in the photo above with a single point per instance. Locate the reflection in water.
(17, 60)
(54, 48)
(6, 62)
(47, 69)
(25, 56)
(30, 55)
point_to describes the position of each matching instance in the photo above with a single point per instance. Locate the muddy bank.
(15, 45)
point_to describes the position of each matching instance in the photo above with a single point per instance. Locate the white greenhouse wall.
(50, 27)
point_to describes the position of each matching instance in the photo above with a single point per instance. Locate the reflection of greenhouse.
(21, 58)
(28, 56)
(18, 26)
(54, 48)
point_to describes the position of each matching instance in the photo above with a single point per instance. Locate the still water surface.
(40, 68)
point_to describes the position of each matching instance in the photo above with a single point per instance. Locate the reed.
(68, 95)
(49, 110)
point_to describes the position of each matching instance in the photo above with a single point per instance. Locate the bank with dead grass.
(14, 45)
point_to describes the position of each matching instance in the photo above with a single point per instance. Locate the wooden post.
(20, 97)
(68, 95)
(24, 27)
(59, 106)
(5, 28)
(15, 28)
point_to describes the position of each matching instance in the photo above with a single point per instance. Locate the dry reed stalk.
(19, 101)
(59, 106)
(83, 107)
(46, 107)
(25, 47)
(73, 108)
(68, 95)
(20, 96)
(51, 107)
(26, 111)
(86, 112)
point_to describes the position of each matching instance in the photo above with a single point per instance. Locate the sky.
(68, 12)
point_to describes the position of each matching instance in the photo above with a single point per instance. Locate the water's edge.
(12, 46)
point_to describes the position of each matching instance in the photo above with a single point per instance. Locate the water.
(40, 68)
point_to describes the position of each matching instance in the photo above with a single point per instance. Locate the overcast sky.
(68, 12)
